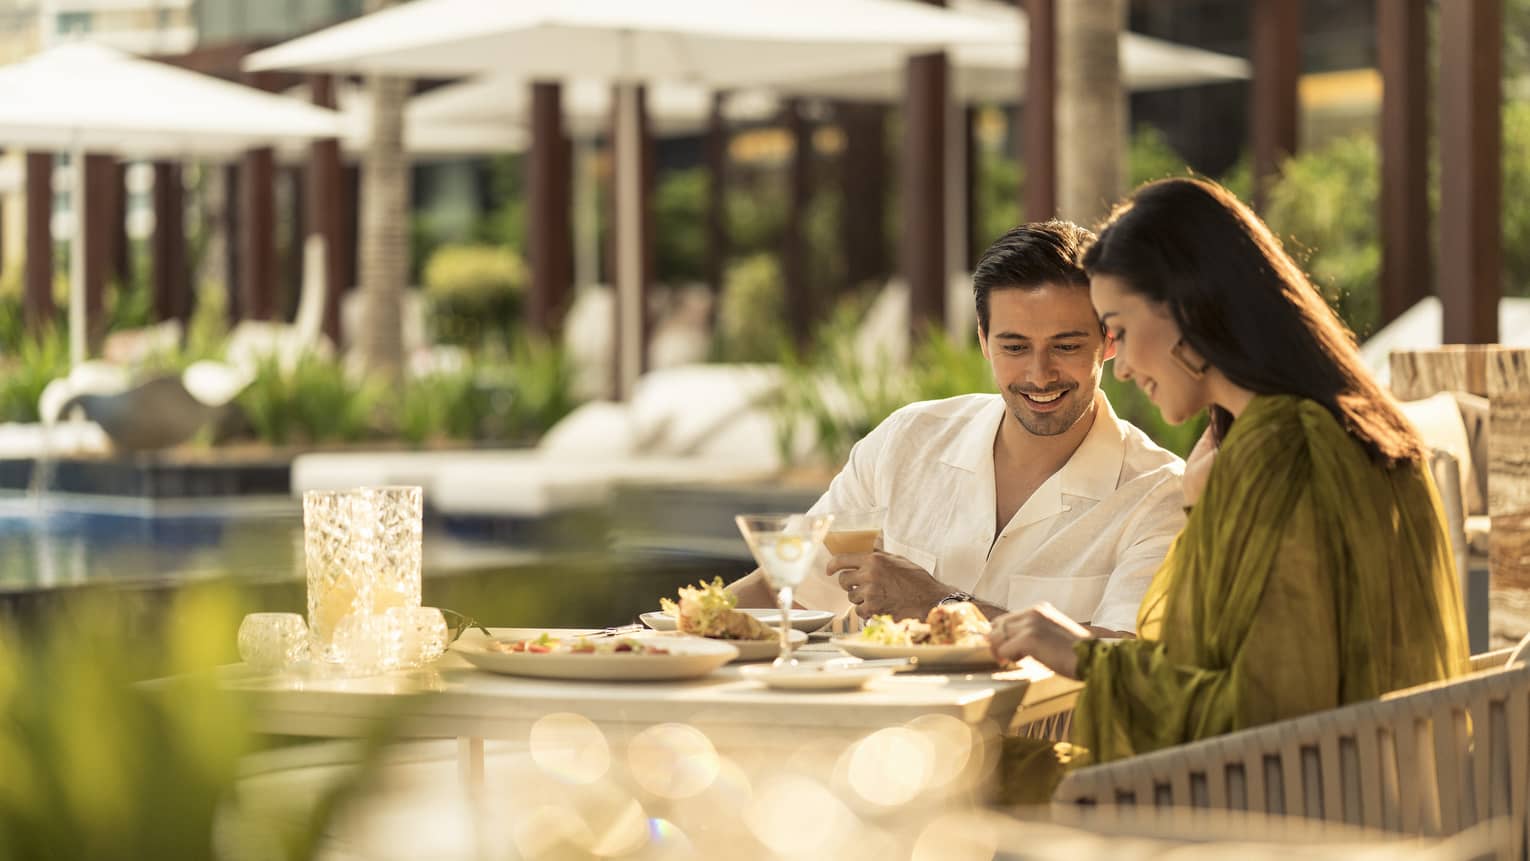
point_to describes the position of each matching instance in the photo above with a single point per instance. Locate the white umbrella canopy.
(427, 135)
(732, 43)
(718, 43)
(991, 73)
(673, 109)
(87, 97)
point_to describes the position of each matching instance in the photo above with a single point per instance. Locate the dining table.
(453, 699)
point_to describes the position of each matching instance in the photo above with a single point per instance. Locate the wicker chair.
(1433, 760)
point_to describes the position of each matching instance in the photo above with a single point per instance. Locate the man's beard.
(1048, 423)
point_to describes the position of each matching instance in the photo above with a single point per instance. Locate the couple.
(1299, 563)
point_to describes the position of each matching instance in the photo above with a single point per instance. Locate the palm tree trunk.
(1091, 108)
(384, 226)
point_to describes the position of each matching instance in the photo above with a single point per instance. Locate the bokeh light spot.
(673, 760)
(891, 766)
(570, 747)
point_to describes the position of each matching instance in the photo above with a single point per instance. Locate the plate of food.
(709, 610)
(641, 657)
(806, 621)
(838, 674)
(951, 636)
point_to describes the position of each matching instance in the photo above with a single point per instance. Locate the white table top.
(463, 701)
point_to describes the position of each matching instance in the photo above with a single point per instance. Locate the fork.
(618, 631)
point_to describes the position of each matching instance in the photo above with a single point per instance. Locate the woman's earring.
(1191, 368)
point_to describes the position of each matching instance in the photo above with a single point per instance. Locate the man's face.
(1046, 351)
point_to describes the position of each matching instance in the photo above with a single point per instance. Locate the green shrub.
(529, 392)
(23, 375)
(441, 406)
(1324, 209)
(751, 318)
(680, 226)
(474, 293)
(311, 401)
(1516, 190)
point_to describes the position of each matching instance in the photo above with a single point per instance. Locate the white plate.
(833, 675)
(688, 658)
(765, 650)
(929, 656)
(806, 621)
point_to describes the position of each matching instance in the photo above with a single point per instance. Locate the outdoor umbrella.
(719, 44)
(85, 98)
(673, 109)
(427, 133)
(991, 72)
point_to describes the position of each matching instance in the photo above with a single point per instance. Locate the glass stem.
(785, 597)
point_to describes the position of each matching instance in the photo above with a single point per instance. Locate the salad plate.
(806, 621)
(641, 657)
(929, 656)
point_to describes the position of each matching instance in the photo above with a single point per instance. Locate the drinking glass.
(422, 634)
(855, 530)
(784, 545)
(393, 526)
(273, 641)
(337, 560)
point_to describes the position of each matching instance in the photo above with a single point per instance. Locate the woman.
(1314, 570)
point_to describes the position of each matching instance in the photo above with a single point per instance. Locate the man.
(1038, 494)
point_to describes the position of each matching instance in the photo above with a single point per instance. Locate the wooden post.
(794, 251)
(549, 235)
(233, 243)
(924, 198)
(1038, 153)
(863, 172)
(1402, 48)
(716, 226)
(38, 306)
(172, 290)
(1471, 170)
(257, 227)
(100, 174)
(1277, 57)
(326, 198)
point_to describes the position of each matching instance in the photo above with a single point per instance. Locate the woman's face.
(1144, 333)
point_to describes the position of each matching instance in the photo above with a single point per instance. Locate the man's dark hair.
(1030, 257)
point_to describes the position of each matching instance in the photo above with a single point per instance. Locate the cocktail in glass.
(785, 546)
(855, 530)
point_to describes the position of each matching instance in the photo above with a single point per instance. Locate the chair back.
(1431, 760)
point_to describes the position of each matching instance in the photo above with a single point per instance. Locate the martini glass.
(785, 546)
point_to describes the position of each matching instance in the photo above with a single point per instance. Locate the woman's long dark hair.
(1245, 306)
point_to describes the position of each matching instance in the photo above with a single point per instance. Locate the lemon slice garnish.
(789, 549)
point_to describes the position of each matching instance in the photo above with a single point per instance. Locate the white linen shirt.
(1088, 540)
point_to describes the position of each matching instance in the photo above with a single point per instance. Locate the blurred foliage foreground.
(99, 764)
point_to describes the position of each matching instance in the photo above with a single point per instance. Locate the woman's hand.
(1198, 467)
(1043, 633)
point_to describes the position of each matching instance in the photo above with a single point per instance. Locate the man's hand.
(881, 582)
(1043, 633)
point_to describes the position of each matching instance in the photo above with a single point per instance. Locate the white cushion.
(1438, 420)
(597, 428)
(675, 410)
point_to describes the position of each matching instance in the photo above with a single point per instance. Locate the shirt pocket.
(1076, 597)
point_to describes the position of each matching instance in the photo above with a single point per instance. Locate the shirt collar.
(1092, 472)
